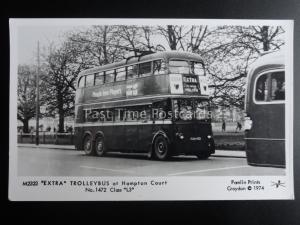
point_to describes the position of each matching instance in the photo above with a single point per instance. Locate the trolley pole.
(37, 109)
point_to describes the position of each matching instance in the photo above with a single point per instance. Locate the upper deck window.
(109, 76)
(81, 82)
(158, 67)
(120, 74)
(89, 80)
(145, 69)
(179, 66)
(197, 68)
(132, 71)
(99, 78)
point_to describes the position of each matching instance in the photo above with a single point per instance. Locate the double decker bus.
(157, 104)
(265, 111)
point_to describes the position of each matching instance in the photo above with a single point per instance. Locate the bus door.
(265, 141)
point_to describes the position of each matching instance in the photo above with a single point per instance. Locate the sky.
(28, 37)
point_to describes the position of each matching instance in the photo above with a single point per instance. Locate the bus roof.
(268, 60)
(166, 55)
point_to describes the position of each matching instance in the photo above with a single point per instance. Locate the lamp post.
(37, 108)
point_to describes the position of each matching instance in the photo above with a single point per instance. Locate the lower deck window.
(270, 87)
(261, 91)
(278, 86)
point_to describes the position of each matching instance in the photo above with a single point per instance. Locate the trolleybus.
(265, 112)
(156, 104)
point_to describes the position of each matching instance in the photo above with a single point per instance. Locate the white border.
(179, 188)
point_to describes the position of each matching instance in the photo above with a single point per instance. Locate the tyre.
(88, 145)
(99, 146)
(161, 148)
(203, 155)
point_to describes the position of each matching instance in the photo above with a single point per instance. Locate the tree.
(64, 65)
(138, 38)
(174, 35)
(261, 38)
(229, 53)
(100, 44)
(226, 50)
(26, 95)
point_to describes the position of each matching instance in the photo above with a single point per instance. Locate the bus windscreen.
(185, 67)
(191, 109)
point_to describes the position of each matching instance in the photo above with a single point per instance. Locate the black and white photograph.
(150, 109)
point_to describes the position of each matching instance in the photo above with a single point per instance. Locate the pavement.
(218, 153)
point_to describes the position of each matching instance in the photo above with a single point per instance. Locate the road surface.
(62, 162)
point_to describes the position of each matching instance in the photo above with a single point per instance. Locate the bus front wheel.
(161, 148)
(99, 146)
(88, 145)
(203, 155)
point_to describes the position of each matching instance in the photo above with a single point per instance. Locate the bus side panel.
(130, 138)
(277, 121)
(265, 152)
(265, 140)
(114, 136)
(145, 137)
(78, 138)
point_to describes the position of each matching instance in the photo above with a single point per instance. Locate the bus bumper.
(193, 147)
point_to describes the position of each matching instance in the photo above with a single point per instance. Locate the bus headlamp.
(180, 136)
(248, 123)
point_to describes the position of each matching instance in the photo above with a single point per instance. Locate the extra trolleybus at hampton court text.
(156, 104)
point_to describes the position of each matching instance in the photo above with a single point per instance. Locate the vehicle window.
(89, 80)
(99, 78)
(161, 110)
(119, 114)
(145, 69)
(131, 114)
(183, 109)
(109, 115)
(134, 113)
(81, 82)
(109, 76)
(120, 74)
(102, 115)
(191, 109)
(197, 68)
(132, 71)
(261, 90)
(278, 86)
(202, 109)
(158, 67)
(145, 114)
(179, 66)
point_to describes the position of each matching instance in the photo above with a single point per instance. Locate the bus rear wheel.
(88, 145)
(161, 148)
(99, 146)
